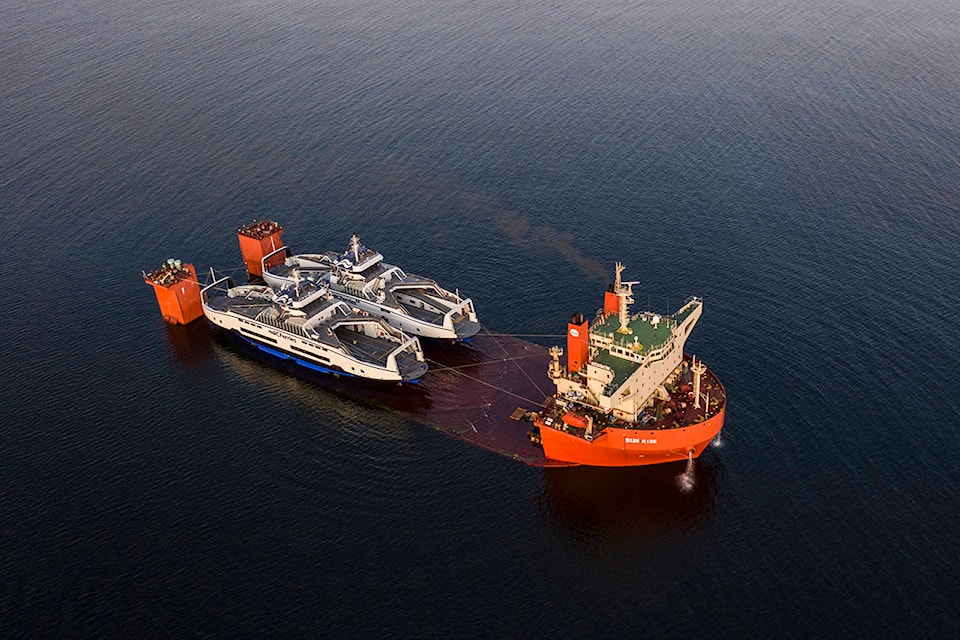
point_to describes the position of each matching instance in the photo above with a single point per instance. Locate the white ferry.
(361, 278)
(301, 322)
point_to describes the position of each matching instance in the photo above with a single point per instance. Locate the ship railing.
(314, 320)
(460, 310)
(353, 288)
(435, 290)
(289, 327)
(267, 313)
(226, 280)
(410, 344)
(266, 258)
(605, 341)
(283, 325)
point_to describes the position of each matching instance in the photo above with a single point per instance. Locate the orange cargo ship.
(629, 395)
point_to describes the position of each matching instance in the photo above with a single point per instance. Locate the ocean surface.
(795, 164)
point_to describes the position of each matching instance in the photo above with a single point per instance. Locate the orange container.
(178, 292)
(257, 240)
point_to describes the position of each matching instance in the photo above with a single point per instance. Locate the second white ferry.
(301, 322)
(361, 278)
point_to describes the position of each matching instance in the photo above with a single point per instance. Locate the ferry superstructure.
(303, 323)
(359, 276)
(629, 395)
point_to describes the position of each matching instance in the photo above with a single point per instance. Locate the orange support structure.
(611, 303)
(258, 239)
(178, 292)
(578, 343)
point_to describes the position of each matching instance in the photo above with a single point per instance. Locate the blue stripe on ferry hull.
(286, 356)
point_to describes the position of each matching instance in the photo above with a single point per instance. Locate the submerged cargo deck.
(475, 389)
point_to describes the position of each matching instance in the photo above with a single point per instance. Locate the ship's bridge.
(651, 342)
(646, 332)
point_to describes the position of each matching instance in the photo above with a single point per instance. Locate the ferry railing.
(264, 259)
(215, 284)
(404, 346)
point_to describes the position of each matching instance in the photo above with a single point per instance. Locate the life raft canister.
(575, 420)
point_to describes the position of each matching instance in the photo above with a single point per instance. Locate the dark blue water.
(796, 164)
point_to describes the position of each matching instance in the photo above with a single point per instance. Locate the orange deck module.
(258, 239)
(178, 291)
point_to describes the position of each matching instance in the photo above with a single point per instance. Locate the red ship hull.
(630, 447)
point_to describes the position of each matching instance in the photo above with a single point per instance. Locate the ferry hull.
(630, 447)
(284, 346)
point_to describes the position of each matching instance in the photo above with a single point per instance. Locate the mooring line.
(504, 349)
(477, 364)
(493, 386)
(524, 335)
(222, 273)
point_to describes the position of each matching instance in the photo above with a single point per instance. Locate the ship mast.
(624, 291)
(555, 370)
(355, 246)
(698, 369)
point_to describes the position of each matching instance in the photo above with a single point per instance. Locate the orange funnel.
(578, 343)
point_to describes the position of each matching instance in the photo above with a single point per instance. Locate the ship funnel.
(611, 303)
(578, 343)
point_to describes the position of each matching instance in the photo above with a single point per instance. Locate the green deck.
(622, 369)
(643, 338)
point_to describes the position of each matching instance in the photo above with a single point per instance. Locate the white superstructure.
(626, 360)
(361, 278)
(303, 323)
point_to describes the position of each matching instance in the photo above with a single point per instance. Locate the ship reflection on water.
(306, 392)
(266, 372)
(191, 344)
(631, 502)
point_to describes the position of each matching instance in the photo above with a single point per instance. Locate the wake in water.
(718, 441)
(687, 480)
